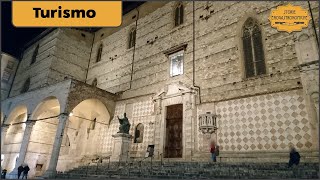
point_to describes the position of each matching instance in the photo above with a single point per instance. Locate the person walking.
(213, 151)
(25, 171)
(294, 157)
(20, 170)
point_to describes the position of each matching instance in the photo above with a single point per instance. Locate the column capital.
(64, 114)
(5, 127)
(30, 122)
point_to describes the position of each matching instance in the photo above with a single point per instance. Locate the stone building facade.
(180, 71)
(9, 66)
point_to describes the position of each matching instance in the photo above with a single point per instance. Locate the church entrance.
(173, 142)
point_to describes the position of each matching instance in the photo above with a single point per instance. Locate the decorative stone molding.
(208, 123)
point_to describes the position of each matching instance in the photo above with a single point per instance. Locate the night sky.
(13, 39)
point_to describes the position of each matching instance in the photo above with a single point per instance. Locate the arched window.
(132, 38)
(34, 55)
(178, 17)
(94, 82)
(253, 49)
(25, 86)
(138, 133)
(99, 53)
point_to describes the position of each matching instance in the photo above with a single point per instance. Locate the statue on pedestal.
(124, 124)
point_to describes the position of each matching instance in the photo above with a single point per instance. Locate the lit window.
(176, 63)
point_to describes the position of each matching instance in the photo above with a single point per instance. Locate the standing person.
(3, 174)
(213, 151)
(294, 157)
(20, 170)
(25, 171)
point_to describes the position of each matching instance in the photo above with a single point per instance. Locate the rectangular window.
(10, 65)
(176, 63)
(5, 76)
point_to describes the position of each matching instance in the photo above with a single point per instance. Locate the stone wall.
(218, 67)
(62, 53)
(219, 72)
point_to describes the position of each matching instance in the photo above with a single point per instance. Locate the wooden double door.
(173, 144)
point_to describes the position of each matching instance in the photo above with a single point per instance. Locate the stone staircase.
(193, 170)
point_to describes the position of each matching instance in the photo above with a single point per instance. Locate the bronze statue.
(124, 124)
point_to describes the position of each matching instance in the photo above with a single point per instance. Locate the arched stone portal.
(11, 136)
(42, 135)
(88, 123)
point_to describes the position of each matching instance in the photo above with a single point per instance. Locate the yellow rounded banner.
(66, 13)
(289, 18)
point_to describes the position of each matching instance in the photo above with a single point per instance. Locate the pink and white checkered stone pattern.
(266, 122)
(147, 135)
(144, 108)
(107, 139)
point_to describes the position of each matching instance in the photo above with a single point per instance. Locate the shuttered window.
(34, 55)
(253, 49)
(132, 38)
(25, 86)
(95, 82)
(99, 53)
(178, 18)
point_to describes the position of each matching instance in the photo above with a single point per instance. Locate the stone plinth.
(121, 143)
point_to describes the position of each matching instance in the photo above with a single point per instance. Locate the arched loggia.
(14, 136)
(42, 135)
(87, 124)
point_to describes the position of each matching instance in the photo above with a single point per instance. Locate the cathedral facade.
(185, 73)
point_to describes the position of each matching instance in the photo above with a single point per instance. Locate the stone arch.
(138, 133)
(14, 136)
(43, 134)
(87, 125)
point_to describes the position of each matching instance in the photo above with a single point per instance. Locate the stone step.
(195, 170)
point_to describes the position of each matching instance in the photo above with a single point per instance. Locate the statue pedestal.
(121, 144)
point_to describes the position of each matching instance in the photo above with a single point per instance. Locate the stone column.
(4, 130)
(157, 129)
(51, 171)
(188, 115)
(24, 147)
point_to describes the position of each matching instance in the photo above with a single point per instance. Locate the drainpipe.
(193, 52)
(313, 24)
(94, 34)
(134, 50)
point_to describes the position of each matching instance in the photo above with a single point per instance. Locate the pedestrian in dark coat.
(20, 170)
(294, 157)
(25, 171)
